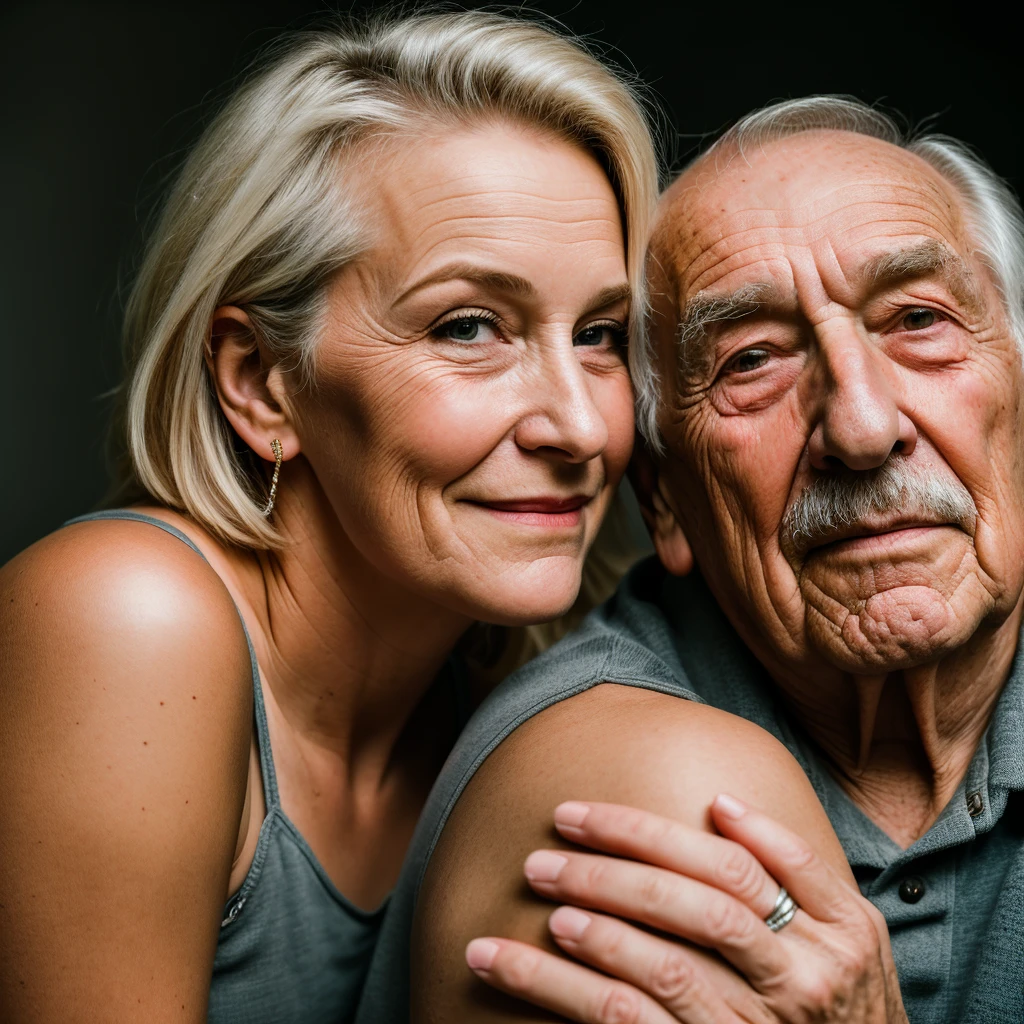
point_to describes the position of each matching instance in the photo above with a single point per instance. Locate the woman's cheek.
(614, 400)
(452, 427)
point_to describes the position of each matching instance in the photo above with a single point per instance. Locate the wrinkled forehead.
(844, 198)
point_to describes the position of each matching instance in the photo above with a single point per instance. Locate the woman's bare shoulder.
(119, 614)
(615, 744)
(120, 580)
(623, 744)
(125, 683)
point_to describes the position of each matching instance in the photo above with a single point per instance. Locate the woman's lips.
(550, 512)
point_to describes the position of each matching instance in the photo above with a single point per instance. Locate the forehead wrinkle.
(805, 221)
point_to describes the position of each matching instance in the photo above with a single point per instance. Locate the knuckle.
(856, 962)
(618, 1004)
(819, 995)
(520, 968)
(632, 822)
(727, 921)
(673, 978)
(737, 872)
(607, 939)
(591, 876)
(654, 890)
(799, 856)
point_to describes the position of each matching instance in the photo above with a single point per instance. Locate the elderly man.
(836, 499)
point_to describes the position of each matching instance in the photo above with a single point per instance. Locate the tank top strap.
(270, 793)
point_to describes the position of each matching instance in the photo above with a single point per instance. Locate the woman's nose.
(860, 424)
(562, 421)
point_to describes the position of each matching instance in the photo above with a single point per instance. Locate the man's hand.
(831, 963)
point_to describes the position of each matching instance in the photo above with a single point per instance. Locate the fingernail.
(569, 923)
(480, 954)
(730, 806)
(571, 815)
(544, 866)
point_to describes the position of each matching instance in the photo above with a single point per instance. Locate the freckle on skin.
(145, 743)
(161, 703)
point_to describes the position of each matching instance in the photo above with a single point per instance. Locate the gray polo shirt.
(954, 901)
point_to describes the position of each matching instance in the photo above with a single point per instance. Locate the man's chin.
(898, 628)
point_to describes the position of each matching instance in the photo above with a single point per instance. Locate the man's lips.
(874, 528)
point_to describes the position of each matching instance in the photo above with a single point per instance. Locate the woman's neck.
(346, 654)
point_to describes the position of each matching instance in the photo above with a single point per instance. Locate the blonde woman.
(377, 393)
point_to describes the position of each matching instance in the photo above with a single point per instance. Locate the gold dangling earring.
(275, 447)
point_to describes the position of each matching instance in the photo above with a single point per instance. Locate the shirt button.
(975, 804)
(911, 889)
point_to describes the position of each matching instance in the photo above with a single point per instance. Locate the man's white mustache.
(834, 504)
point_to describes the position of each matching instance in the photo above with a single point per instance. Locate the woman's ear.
(251, 389)
(658, 511)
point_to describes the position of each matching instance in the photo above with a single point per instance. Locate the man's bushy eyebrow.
(702, 311)
(929, 258)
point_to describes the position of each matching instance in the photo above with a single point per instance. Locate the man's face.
(841, 405)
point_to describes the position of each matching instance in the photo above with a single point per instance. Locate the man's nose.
(562, 421)
(861, 423)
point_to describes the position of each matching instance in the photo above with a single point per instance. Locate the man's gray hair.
(992, 210)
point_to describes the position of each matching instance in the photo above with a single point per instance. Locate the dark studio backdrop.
(98, 102)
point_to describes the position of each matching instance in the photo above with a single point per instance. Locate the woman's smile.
(545, 512)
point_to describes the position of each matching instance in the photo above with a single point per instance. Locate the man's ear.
(658, 511)
(668, 535)
(251, 389)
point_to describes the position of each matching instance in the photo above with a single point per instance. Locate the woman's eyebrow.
(495, 280)
(610, 296)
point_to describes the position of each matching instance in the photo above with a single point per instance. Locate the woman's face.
(473, 412)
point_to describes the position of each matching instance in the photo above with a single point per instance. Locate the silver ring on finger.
(783, 912)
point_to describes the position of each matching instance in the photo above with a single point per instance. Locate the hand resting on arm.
(670, 759)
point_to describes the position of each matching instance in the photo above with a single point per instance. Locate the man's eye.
(918, 320)
(751, 359)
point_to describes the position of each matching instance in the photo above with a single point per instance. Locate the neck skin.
(347, 654)
(900, 743)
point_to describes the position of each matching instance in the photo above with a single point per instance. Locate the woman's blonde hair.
(259, 217)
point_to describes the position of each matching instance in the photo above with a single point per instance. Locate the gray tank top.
(291, 946)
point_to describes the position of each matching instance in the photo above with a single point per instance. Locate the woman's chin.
(527, 605)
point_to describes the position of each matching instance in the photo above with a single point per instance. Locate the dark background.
(98, 102)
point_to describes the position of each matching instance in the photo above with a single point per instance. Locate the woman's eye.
(598, 335)
(918, 320)
(751, 359)
(466, 330)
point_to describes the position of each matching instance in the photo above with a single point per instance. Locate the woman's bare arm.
(613, 744)
(124, 738)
